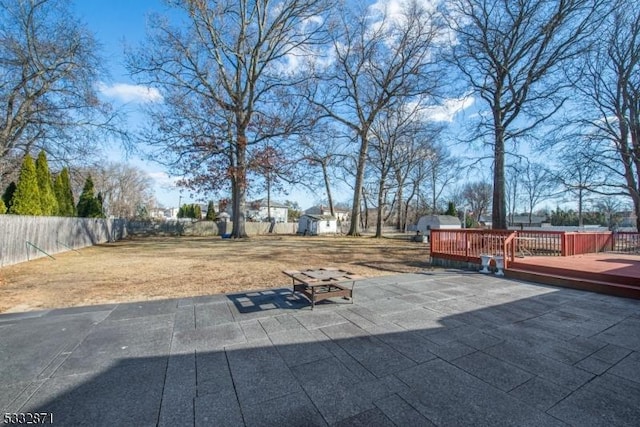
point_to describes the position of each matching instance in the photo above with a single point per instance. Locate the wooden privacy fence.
(23, 238)
(467, 245)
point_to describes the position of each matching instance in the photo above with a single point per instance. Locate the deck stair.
(624, 286)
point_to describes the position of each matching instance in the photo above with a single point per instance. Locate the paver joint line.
(452, 349)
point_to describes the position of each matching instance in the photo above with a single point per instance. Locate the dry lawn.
(156, 268)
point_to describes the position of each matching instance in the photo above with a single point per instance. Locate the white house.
(163, 214)
(314, 225)
(339, 214)
(437, 222)
(257, 211)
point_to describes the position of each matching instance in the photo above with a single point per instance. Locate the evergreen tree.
(451, 209)
(88, 204)
(26, 199)
(100, 200)
(7, 196)
(48, 202)
(192, 210)
(58, 190)
(211, 213)
(68, 205)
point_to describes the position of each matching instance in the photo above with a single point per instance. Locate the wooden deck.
(610, 273)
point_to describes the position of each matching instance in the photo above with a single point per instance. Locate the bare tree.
(513, 172)
(387, 133)
(410, 156)
(538, 183)
(227, 78)
(443, 170)
(511, 53)
(478, 197)
(378, 58)
(579, 175)
(610, 88)
(275, 169)
(125, 189)
(610, 207)
(49, 66)
(321, 148)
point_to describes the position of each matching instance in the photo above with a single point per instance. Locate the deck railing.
(587, 243)
(469, 244)
(626, 242)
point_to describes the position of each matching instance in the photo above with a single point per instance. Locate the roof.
(263, 203)
(524, 219)
(442, 219)
(320, 208)
(319, 217)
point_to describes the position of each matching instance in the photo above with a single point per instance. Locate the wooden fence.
(467, 245)
(23, 238)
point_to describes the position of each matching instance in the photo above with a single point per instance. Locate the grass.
(172, 267)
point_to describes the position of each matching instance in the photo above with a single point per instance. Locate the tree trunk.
(380, 207)
(271, 220)
(498, 217)
(433, 190)
(400, 209)
(327, 185)
(357, 193)
(240, 188)
(580, 221)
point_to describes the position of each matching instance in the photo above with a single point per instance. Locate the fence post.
(613, 241)
(466, 245)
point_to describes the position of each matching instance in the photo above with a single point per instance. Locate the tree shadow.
(413, 350)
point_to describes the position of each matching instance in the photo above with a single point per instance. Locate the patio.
(439, 348)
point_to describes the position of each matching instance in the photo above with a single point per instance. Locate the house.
(257, 211)
(486, 221)
(519, 221)
(339, 214)
(163, 214)
(437, 222)
(627, 222)
(313, 225)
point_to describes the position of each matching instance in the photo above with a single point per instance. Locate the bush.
(211, 213)
(26, 199)
(48, 202)
(3, 209)
(190, 211)
(64, 195)
(89, 206)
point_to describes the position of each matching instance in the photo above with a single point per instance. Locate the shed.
(437, 222)
(310, 224)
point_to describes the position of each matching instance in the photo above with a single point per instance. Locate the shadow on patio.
(414, 349)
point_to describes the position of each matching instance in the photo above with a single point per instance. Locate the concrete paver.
(440, 348)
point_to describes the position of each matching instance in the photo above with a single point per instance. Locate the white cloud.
(449, 108)
(163, 180)
(130, 93)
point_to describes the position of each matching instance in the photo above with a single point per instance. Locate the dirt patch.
(158, 268)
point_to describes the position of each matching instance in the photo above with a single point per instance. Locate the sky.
(119, 22)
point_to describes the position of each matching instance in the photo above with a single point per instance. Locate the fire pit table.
(323, 283)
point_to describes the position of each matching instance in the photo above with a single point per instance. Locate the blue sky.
(116, 22)
(119, 22)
